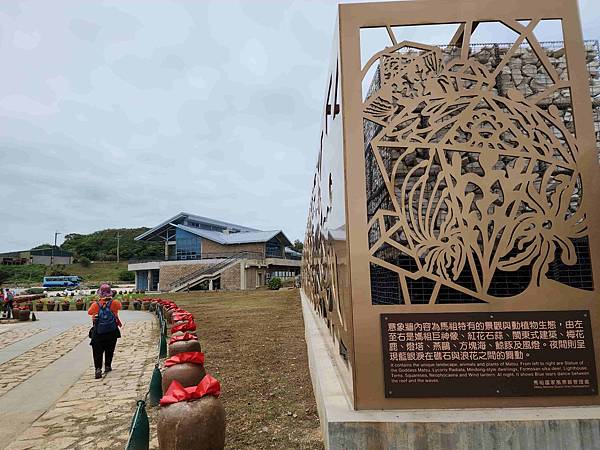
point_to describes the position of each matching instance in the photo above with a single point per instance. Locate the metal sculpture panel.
(324, 268)
(482, 186)
(460, 181)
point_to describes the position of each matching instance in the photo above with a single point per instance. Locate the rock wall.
(168, 274)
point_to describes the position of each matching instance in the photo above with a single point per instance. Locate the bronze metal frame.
(336, 273)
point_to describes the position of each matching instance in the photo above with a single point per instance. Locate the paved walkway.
(48, 396)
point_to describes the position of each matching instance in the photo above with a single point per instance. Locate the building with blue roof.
(204, 253)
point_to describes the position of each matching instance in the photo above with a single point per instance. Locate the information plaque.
(474, 354)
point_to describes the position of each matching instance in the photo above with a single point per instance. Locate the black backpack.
(106, 322)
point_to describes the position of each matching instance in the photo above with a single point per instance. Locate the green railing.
(139, 430)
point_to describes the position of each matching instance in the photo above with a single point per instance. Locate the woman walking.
(105, 329)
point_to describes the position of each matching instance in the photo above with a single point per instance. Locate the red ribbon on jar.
(186, 357)
(177, 393)
(182, 337)
(182, 316)
(190, 325)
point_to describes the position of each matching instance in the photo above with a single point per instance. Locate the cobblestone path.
(11, 336)
(96, 414)
(19, 369)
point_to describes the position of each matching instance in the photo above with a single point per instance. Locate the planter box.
(50, 306)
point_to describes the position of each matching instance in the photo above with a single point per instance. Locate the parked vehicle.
(61, 281)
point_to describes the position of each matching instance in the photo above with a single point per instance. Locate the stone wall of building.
(212, 248)
(231, 278)
(173, 272)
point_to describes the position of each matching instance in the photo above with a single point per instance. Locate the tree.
(298, 246)
(43, 247)
(102, 246)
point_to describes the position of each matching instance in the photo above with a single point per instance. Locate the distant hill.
(102, 245)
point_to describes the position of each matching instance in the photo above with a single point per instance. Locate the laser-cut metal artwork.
(455, 184)
(494, 185)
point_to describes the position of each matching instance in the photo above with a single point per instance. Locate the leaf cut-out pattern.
(480, 182)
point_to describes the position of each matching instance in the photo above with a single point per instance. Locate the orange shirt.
(115, 306)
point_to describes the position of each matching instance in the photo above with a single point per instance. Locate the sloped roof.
(183, 215)
(244, 237)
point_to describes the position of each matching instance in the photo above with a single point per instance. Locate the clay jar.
(188, 374)
(181, 333)
(197, 424)
(193, 345)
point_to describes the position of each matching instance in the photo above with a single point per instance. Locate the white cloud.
(144, 109)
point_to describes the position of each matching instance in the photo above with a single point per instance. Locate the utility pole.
(118, 238)
(56, 233)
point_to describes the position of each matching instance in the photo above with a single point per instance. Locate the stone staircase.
(209, 273)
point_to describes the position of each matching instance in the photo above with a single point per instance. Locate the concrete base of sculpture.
(564, 428)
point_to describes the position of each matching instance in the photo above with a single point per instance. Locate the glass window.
(274, 249)
(188, 245)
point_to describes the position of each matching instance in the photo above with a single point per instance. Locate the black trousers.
(104, 348)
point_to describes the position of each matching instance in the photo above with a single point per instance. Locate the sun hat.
(105, 291)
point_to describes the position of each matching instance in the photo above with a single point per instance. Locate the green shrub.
(126, 275)
(275, 283)
(35, 291)
(85, 262)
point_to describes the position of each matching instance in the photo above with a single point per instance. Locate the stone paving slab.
(53, 324)
(21, 368)
(13, 335)
(96, 414)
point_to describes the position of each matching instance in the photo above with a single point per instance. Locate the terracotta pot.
(125, 305)
(23, 314)
(50, 306)
(79, 306)
(192, 345)
(39, 306)
(181, 333)
(65, 306)
(187, 374)
(146, 306)
(169, 315)
(198, 425)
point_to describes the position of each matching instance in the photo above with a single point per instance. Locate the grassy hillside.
(31, 275)
(102, 245)
(98, 271)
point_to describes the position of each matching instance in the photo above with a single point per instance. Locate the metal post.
(56, 233)
(118, 238)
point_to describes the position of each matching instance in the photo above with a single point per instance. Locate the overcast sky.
(124, 113)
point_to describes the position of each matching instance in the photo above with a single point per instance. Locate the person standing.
(8, 303)
(105, 329)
